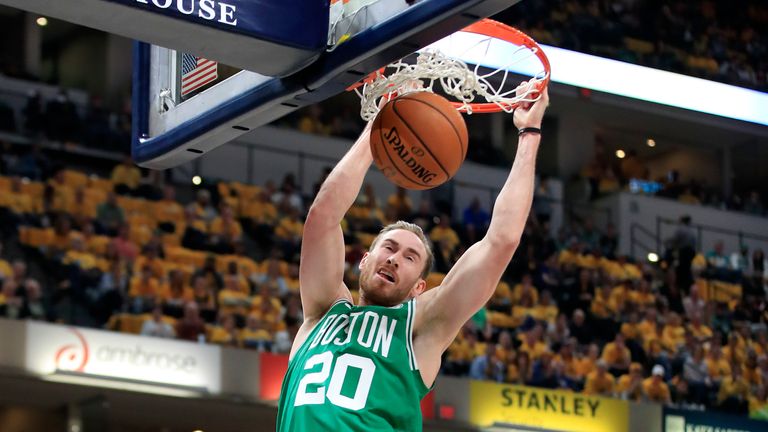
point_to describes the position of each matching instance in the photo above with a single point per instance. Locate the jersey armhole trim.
(409, 347)
(409, 335)
(341, 300)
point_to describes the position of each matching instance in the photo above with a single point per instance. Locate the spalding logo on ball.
(411, 157)
(419, 140)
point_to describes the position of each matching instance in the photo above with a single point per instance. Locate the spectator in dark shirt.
(33, 164)
(7, 117)
(191, 326)
(423, 217)
(545, 372)
(487, 366)
(98, 132)
(542, 200)
(683, 246)
(33, 114)
(754, 204)
(11, 303)
(475, 220)
(109, 215)
(212, 277)
(34, 306)
(580, 329)
(62, 119)
(609, 241)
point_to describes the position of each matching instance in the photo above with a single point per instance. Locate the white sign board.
(56, 348)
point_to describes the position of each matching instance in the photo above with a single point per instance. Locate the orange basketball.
(419, 140)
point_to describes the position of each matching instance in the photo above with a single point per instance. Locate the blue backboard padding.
(418, 26)
(295, 23)
(140, 90)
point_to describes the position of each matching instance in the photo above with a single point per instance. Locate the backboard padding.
(273, 30)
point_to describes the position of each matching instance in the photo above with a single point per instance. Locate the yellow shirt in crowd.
(447, 234)
(517, 293)
(700, 332)
(218, 227)
(732, 388)
(656, 391)
(127, 175)
(717, 369)
(168, 211)
(631, 331)
(599, 384)
(613, 354)
(220, 335)
(288, 229)
(642, 299)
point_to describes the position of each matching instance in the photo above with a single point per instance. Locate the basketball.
(419, 140)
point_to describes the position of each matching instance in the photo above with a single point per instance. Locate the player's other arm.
(322, 248)
(473, 279)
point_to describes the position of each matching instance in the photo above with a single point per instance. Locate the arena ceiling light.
(625, 79)
(42, 21)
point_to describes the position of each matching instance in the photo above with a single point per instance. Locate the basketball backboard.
(167, 136)
(292, 53)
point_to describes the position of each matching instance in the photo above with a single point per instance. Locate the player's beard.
(377, 292)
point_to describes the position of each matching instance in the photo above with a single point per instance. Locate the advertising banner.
(93, 353)
(707, 421)
(500, 404)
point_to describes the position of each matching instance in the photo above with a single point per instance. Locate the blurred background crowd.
(89, 239)
(123, 252)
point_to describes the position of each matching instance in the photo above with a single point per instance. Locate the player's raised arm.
(473, 279)
(322, 248)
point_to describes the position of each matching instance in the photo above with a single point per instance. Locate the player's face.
(391, 272)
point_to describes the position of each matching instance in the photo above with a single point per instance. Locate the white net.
(456, 79)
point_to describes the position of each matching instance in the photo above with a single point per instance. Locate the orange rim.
(368, 79)
(497, 30)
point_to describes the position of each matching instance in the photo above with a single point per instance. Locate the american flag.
(196, 72)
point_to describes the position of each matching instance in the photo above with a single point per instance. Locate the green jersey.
(356, 371)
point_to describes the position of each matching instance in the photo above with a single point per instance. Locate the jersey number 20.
(333, 392)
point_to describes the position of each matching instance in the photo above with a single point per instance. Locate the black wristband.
(524, 130)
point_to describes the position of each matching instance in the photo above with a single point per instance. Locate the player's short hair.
(402, 225)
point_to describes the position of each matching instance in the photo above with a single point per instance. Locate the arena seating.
(223, 268)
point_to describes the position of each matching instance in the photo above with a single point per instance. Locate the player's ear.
(363, 260)
(419, 288)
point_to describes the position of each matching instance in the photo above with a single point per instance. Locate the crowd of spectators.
(569, 313)
(689, 332)
(606, 174)
(720, 41)
(60, 119)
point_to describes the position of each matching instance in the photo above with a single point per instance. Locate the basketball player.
(365, 367)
